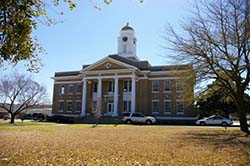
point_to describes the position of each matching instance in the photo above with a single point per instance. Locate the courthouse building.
(123, 83)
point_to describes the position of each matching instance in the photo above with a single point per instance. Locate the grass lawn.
(52, 144)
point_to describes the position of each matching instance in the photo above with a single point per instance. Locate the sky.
(87, 35)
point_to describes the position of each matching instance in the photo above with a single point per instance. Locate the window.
(155, 86)
(155, 106)
(78, 106)
(179, 86)
(110, 86)
(95, 86)
(62, 89)
(137, 115)
(70, 89)
(167, 85)
(69, 106)
(61, 106)
(127, 86)
(180, 107)
(126, 106)
(167, 107)
(79, 88)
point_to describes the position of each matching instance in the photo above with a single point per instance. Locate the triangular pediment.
(108, 63)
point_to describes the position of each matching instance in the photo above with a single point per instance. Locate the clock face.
(125, 38)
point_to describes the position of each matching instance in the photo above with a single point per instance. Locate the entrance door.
(110, 107)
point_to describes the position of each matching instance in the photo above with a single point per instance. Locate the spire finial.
(127, 24)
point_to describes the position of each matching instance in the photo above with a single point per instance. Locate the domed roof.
(127, 27)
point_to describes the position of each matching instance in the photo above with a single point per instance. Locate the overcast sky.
(87, 35)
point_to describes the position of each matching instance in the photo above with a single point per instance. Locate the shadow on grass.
(219, 138)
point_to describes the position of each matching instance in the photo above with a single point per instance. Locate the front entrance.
(110, 108)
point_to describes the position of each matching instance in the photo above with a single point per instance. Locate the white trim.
(109, 71)
(84, 97)
(67, 82)
(164, 78)
(65, 77)
(142, 78)
(167, 72)
(133, 93)
(107, 59)
(106, 77)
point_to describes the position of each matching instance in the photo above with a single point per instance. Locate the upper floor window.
(95, 86)
(110, 86)
(179, 86)
(70, 91)
(127, 85)
(155, 86)
(79, 88)
(61, 89)
(180, 107)
(167, 85)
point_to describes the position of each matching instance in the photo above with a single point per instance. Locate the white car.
(130, 118)
(215, 120)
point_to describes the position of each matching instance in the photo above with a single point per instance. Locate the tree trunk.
(242, 114)
(12, 118)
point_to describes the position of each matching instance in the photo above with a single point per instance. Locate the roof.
(142, 65)
(127, 27)
(67, 73)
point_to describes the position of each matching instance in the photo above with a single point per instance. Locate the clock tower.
(127, 43)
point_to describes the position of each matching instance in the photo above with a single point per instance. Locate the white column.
(133, 94)
(99, 94)
(116, 99)
(84, 95)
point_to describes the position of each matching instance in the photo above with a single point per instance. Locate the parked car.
(130, 118)
(215, 120)
(39, 116)
(27, 116)
(6, 117)
(59, 119)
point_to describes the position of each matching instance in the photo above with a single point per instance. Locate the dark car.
(59, 119)
(27, 116)
(39, 116)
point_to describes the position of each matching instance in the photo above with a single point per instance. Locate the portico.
(99, 98)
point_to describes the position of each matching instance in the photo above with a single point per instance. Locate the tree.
(214, 101)
(18, 18)
(216, 41)
(96, 110)
(19, 92)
